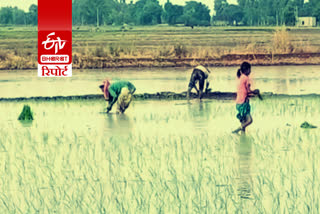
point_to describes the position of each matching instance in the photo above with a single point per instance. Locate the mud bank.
(90, 62)
(157, 96)
(225, 60)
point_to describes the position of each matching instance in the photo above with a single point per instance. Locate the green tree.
(121, 14)
(6, 16)
(93, 12)
(316, 12)
(147, 12)
(232, 13)
(270, 12)
(306, 10)
(96, 11)
(101, 12)
(152, 12)
(14, 16)
(290, 14)
(219, 6)
(250, 11)
(313, 3)
(33, 15)
(196, 14)
(18, 17)
(172, 13)
(77, 12)
(299, 3)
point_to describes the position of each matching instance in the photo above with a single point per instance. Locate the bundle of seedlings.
(26, 114)
(307, 125)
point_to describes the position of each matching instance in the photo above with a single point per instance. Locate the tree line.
(193, 13)
(142, 12)
(16, 16)
(266, 12)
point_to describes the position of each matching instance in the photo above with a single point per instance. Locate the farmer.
(243, 93)
(120, 91)
(199, 74)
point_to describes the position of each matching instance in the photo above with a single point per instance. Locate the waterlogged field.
(292, 80)
(160, 157)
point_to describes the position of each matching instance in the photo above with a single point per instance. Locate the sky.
(25, 4)
(22, 4)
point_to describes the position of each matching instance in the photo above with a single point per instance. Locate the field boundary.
(154, 96)
(224, 60)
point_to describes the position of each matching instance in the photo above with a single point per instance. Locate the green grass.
(167, 159)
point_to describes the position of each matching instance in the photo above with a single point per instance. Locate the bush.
(180, 50)
(165, 51)
(281, 42)
(114, 50)
(3, 55)
(100, 52)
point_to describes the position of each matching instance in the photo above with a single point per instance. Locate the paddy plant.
(26, 114)
(178, 158)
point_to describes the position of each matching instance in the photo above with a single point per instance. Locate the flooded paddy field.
(160, 157)
(293, 80)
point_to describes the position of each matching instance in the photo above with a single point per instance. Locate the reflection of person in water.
(120, 91)
(245, 181)
(198, 115)
(119, 127)
(200, 74)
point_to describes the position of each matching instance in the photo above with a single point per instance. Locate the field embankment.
(156, 96)
(163, 46)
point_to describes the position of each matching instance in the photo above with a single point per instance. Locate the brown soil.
(225, 60)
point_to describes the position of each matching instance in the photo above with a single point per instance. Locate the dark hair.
(101, 87)
(244, 68)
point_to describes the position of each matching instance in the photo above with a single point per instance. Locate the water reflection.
(244, 152)
(26, 123)
(274, 79)
(283, 81)
(201, 107)
(198, 113)
(117, 125)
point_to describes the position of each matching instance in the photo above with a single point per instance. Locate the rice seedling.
(173, 159)
(26, 114)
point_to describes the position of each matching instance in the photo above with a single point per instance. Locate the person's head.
(245, 69)
(105, 88)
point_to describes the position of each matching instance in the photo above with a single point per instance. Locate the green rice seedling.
(26, 114)
(307, 125)
(178, 158)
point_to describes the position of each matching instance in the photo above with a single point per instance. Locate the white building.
(306, 22)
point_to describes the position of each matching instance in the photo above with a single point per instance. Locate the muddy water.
(276, 79)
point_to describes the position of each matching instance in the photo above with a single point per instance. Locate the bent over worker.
(200, 74)
(120, 91)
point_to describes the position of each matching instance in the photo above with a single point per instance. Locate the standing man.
(120, 91)
(199, 74)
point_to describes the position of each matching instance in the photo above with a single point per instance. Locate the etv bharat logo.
(48, 65)
(58, 44)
